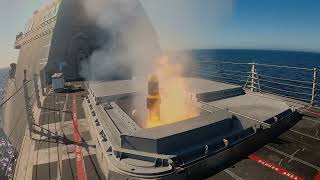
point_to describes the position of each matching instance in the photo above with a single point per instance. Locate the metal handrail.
(276, 94)
(19, 117)
(225, 62)
(286, 84)
(221, 77)
(286, 90)
(258, 64)
(226, 74)
(282, 66)
(284, 79)
(253, 79)
(241, 72)
(295, 98)
(14, 130)
(232, 71)
(236, 113)
(13, 95)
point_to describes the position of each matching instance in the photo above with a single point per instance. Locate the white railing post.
(314, 85)
(253, 79)
(252, 74)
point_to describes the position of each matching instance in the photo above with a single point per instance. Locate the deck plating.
(161, 151)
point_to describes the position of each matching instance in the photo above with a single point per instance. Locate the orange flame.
(174, 106)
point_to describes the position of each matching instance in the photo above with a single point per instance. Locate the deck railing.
(298, 83)
(12, 144)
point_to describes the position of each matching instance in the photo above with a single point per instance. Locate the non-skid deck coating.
(297, 150)
(50, 158)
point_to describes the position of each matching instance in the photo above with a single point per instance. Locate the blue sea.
(216, 68)
(4, 158)
(289, 58)
(292, 82)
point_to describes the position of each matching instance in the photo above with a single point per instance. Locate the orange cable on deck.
(81, 173)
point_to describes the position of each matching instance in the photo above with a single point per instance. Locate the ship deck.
(294, 154)
(47, 157)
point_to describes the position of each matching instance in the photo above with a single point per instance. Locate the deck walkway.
(47, 157)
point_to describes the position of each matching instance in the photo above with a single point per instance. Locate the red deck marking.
(317, 177)
(81, 173)
(275, 167)
(308, 110)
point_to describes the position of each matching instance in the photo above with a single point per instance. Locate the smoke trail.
(129, 46)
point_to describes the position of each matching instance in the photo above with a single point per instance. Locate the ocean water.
(297, 83)
(289, 58)
(3, 80)
(6, 153)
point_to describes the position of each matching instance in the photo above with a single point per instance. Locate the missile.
(153, 99)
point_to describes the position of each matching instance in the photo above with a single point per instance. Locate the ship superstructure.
(58, 38)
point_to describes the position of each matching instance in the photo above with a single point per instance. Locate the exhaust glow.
(174, 105)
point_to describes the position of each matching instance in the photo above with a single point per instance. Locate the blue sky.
(258, 24)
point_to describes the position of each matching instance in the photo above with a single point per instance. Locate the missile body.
(153, 99)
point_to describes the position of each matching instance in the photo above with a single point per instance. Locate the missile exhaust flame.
(172, 106)
(154, 99)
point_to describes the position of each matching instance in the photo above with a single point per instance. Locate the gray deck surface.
(297, 150)
(110, 88)
(254, 106)
(195, 85)
(180, 127)
(198, 86)
(54, 159)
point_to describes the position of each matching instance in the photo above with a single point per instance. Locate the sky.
(193, 24)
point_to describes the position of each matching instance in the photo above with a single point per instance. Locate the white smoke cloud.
(131, 45)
